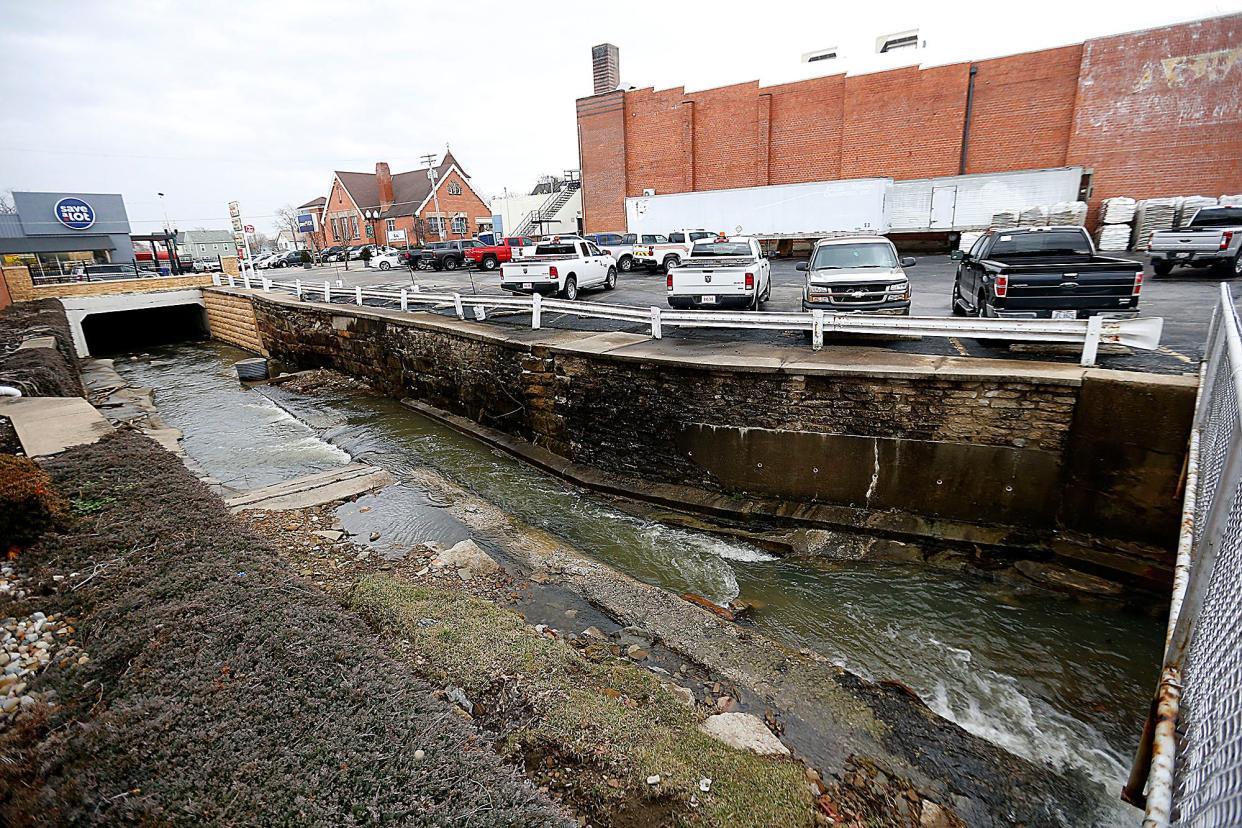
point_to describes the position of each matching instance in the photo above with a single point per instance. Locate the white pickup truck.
(562, 266)
(659, 256)
(1213, 238)
(721, 272)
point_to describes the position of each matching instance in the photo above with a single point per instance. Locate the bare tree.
(6, 203)
(287, 219)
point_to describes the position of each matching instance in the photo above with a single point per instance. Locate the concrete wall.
(22, 287)
(230, 318)
(893, 443)
(1153, 113)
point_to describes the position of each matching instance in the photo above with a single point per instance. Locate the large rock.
(744, 732)
(1068, 580)
(468, 559)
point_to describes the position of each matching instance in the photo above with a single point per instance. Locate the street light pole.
(429, 159)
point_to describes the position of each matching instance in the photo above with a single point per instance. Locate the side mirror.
(908, 261)
(958, 255)
(800, 266)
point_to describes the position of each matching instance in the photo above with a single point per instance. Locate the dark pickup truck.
(1043, 273)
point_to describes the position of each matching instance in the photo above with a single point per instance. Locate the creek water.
(1050, 679)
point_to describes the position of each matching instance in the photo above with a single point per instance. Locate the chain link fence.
(1191, 756)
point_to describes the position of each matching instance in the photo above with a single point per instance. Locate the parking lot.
(1184, 300)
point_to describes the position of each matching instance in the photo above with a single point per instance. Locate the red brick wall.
(602, 159)
(339, 205)
(467, 203)
(1160, 112)
(1153, 113)
(1023, 110)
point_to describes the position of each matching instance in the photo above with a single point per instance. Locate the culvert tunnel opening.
(124, 331)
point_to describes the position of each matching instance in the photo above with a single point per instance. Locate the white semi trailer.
(781, 211)
(968, 202)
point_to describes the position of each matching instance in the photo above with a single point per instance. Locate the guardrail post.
(267, 285)
(479, 313)
(357, 295)
(415, 288)
(215, 279)
(656, 332)
(297, 287)
(461, 312)
(1092, 343)
(405, 300)
(817, 329)
(327, 292)
(339, 283)
(536, 311)
(246, 279)
(231, 282)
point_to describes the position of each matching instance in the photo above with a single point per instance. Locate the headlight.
(818, 290)
(900, 287)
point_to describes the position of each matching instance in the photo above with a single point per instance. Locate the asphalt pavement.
(1185, 300)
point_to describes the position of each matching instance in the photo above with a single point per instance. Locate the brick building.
(405, 206)
(1149, 113)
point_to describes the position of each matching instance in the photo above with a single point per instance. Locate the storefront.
(58, 234)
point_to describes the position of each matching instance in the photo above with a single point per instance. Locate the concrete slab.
(49, 425)
(313, 489)
(37, 342)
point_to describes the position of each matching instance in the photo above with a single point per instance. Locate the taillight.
(1226, 238)
(669, 280)
(750, 281)
(1138, 284)
(1002, 285)
(552, 271)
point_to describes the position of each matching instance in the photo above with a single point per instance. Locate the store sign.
(74, 213)
(395, 235)
(306, 223)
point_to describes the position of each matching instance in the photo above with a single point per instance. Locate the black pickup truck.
(1043, 273)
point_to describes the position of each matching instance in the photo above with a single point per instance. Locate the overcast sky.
(260, 101)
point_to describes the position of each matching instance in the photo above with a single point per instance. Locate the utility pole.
(430, 160)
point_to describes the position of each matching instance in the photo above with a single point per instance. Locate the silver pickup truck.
(1212, 239)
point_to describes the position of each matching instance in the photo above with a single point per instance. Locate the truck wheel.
(385, 266)
(1162, 267)
(610, 281)
(489, 263)
(981, 306)
(671, 261)
(450, 263)
(1230, 268)
(625, 265)
(571, 289)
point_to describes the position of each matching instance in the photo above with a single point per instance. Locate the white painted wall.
(78, 308)
(514, 209)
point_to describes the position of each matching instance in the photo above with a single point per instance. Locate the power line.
(230, 159)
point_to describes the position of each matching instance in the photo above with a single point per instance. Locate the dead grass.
(612, 717)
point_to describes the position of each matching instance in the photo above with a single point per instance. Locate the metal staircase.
(548, 210)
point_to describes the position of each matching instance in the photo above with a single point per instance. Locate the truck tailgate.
(1206, 241)
(711, 279)
(1090, 288)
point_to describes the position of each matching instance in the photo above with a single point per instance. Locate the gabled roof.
(314, 202)
(409, 189)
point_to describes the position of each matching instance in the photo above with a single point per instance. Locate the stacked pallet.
(1068, 213)
(1153, 215)
(1113, 237)
(1119, 210)
(1191, 205)
(1005, 219)
(1033, 216)
(1230, 200)
(968, 239)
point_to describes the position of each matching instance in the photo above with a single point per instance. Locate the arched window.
(454, 188)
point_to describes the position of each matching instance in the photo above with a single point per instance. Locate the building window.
(392, 225)
(454, 188)
(822, 54)
(434, 224)
(459, 225)
(897, 40)
(202, 248)
(353, 227)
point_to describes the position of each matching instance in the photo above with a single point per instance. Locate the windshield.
(555, 250)
(713, 248)
(1042, 243)
(842, 256)
(1217, 217)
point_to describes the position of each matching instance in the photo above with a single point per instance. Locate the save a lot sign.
(74, 213)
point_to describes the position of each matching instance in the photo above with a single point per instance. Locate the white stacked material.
(1118, 210)
(1033, 216)
(1112, 237)
(1068, 212)
(968, 239)
(1230, 200)
(1005, 219)
(1191, 205)
(1153, 215)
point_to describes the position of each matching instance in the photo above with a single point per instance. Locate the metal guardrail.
(1089, 333)
(1190, 756)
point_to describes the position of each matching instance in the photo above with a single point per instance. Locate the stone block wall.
(230, 318)
(22, 287)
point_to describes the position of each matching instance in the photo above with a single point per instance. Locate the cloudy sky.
(259, 101)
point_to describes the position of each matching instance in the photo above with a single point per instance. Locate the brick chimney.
(605, 68)
(383, 179)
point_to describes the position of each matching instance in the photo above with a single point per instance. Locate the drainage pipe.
(970, 105)
(9, 391)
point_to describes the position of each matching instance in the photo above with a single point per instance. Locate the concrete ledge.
(313, 489)
(49, 425)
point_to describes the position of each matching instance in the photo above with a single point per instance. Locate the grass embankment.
(220, 688)
(607, 715)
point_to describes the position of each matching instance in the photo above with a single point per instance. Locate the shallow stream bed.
(1050, 679)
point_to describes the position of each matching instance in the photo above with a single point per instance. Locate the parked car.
(445, 255)
(560, 266)
(265, 261)
(389, 260)
(618, 245)
(722, 272)
(292, 258)
(327, 253)
(658, 255)
(492, 256)
(1043, 273)
(1213, 238)
(856, 274)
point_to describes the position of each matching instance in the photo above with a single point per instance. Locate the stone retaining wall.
(894, 440)
(22, 287)
(230, 318)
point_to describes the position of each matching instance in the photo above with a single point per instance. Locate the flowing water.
(1047, 678)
